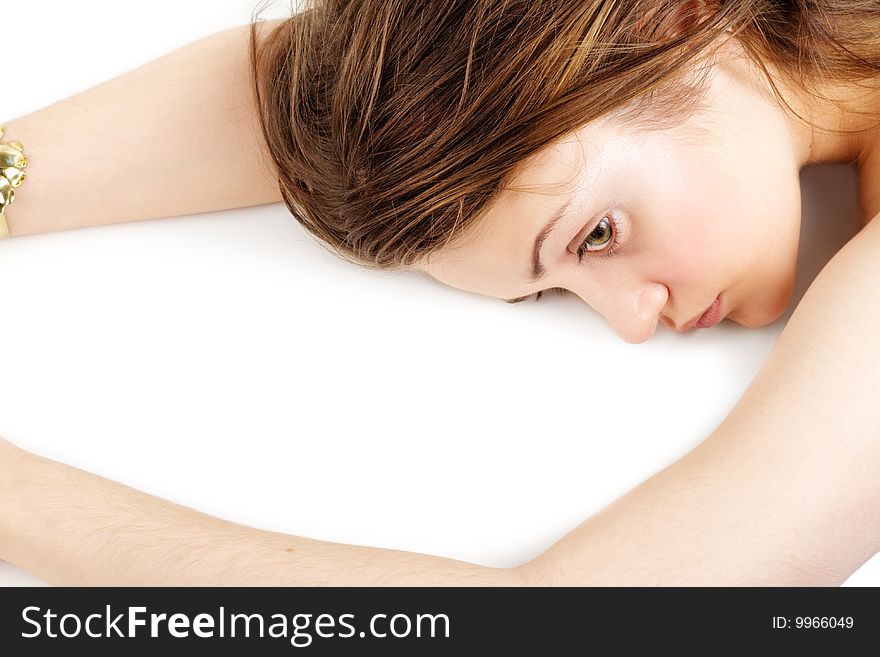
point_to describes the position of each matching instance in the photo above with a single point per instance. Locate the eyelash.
(608, 252)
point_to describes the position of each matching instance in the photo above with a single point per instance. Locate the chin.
(764, 309)
(763, 317)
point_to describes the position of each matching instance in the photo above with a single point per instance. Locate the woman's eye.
(604, 239)
(602, 234)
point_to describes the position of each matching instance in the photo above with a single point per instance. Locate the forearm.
(176, 136)
(71, 527)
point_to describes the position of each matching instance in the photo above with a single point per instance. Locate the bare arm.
(785, 492)
(176, 136)
(71, 527)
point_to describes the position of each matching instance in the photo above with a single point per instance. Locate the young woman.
(643, 156)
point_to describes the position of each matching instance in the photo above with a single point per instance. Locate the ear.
(665, 21)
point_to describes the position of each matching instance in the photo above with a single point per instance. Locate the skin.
(710, 206)
(785, 492)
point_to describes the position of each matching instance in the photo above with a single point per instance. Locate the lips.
(712, 315)
(708, 318)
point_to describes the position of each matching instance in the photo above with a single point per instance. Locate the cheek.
(734, 224)
(690, 245)
(768, 230)
(695, 210)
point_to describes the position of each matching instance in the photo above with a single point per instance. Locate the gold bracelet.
(12, 166)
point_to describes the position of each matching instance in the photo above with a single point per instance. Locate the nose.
(636, 320)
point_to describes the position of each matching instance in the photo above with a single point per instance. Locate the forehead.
(494, 257)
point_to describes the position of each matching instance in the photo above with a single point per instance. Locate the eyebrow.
(538, 269)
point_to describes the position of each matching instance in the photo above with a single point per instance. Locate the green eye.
(602, 233)
(607, 231)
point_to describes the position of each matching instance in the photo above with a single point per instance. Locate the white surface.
(228, 363)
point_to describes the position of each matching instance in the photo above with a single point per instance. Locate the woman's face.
(710, 206)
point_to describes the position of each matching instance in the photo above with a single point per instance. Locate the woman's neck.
(845, 128)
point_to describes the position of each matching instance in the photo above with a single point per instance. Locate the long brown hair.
(393, 124)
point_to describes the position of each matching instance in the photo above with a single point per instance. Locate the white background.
(227, 362)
